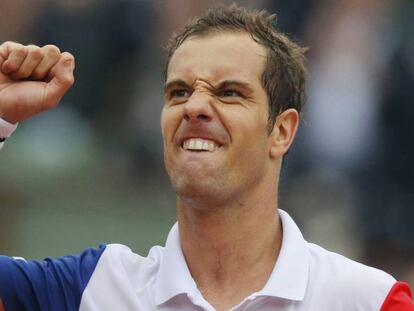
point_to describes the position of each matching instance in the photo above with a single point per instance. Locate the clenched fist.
(32, 79)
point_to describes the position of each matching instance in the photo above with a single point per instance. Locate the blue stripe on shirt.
(51, 284)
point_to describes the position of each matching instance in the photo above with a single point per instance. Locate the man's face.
(215, 115)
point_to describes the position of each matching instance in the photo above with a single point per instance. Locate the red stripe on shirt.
(399, 298)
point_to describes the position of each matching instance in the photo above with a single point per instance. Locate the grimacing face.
(214, 121)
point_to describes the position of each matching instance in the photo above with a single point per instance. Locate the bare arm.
(32, 79)
(1, 306)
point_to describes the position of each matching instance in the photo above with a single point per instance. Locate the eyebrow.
(235, 83)
(220, 86)
(175, 83)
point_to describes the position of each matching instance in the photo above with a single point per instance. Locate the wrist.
(6, 129)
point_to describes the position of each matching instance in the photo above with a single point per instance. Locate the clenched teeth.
(199, 144)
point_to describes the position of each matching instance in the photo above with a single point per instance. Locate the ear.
(283, 132)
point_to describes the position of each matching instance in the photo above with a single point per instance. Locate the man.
(234, 89)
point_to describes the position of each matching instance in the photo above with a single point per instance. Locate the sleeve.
(399, 298)
(6, 129)
(48, 285)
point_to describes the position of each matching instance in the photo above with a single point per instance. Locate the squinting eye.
(230, 93)
(180, 93)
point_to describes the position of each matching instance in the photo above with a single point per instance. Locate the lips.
(200, 137)
(199, 144)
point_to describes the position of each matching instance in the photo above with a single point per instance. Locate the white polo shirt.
(306, 277)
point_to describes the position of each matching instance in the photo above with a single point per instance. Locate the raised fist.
(32, 79)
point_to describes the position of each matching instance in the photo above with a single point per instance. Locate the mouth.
(199, 145)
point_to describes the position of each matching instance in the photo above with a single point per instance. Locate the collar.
(290, 275)
(288, 279)
(173, 277)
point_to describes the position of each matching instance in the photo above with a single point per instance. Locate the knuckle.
(20, 51)
(3, 46)
(8, 44)
(52, 50)
(36, 53)
(68, 82)
(68, 56)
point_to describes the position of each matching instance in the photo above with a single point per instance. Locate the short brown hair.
(284, 74)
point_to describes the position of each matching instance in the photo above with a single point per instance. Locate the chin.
(195, 186)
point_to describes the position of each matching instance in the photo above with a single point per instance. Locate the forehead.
(218, 56)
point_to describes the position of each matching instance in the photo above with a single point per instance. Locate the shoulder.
(72, 268)
(352, 284)
(128, 266)
(123, 255)
(399, 298)
(123, 277)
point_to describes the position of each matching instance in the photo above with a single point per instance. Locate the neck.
(231, 244)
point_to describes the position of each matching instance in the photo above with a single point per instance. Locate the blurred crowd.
(349, 178)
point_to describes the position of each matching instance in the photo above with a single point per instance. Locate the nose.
(198, 108)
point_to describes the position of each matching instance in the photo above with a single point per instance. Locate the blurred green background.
(91, 170)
